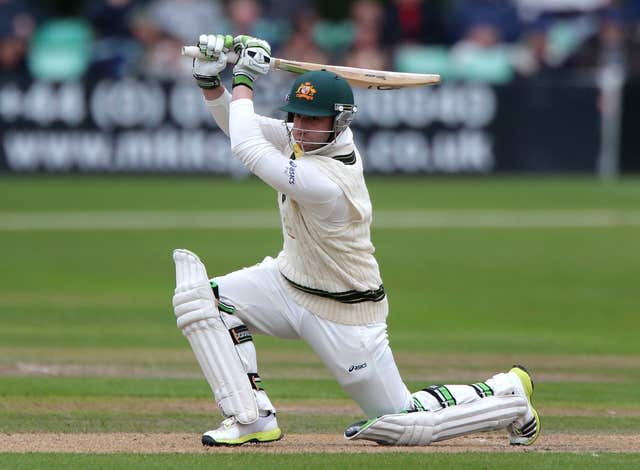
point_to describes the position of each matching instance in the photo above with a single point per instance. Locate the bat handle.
(193, 51)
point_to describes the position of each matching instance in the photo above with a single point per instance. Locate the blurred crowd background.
(495, 41)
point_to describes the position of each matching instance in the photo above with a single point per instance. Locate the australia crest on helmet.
(306, 91)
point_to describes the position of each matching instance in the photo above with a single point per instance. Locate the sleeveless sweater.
(330, 268)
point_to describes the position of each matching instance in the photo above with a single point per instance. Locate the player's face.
(312, 132)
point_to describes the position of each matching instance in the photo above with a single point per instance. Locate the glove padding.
(215, 48)
(254, 58)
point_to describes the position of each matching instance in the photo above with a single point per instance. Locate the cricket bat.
(360, 78)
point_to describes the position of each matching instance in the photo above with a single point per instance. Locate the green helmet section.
(316, 94)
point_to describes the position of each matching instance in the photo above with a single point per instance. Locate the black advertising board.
(136, 125)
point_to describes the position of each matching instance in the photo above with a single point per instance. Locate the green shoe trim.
(525, 378)
(527, 384)
(263, 436)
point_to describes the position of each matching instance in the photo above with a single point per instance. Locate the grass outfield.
(481, 273)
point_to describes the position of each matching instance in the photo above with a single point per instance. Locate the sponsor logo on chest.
(291, 172)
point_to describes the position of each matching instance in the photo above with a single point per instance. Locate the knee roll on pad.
(196, 310)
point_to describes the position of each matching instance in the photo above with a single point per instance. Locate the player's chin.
(310, 147)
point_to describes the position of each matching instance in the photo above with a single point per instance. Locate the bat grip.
(194, 52)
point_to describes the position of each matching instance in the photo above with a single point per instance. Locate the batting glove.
(215, 48)
(254, 58)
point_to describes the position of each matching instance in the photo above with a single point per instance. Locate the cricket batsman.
(325, 285)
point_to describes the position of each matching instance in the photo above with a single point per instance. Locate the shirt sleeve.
(299, 179)
(219, 109)
(274, 130)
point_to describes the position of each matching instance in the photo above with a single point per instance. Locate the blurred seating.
(333, 36)
(61, 49)
(491, 65)
(423, 59)
(529, 10)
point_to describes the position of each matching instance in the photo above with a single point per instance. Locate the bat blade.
(360, 78)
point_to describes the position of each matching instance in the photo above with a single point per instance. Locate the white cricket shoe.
(233, 433)
(524, 432)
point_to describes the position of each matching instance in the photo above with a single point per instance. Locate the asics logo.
(355, 367)
(292, 172)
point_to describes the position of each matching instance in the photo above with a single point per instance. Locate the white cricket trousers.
(358, 356)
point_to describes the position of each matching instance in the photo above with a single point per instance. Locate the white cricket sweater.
(327, 253)
(334, 258)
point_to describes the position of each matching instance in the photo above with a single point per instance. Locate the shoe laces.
(227, 423)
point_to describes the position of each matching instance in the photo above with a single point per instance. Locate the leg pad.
(198, 317)
(424, 427)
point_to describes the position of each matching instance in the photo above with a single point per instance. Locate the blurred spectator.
(18, 22)
(166, 25)
(243, 16)
(185, 20)
(284, 10)
(482, 39)
(246, 17)
(483, 22)
(367, 14)
(301, 45)
(111, 18)
(413, 22)
(612, 45)
(367, 49)
(633, 9)
(612, 39)
(533, 58)
(114, 51)
(481, 30)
